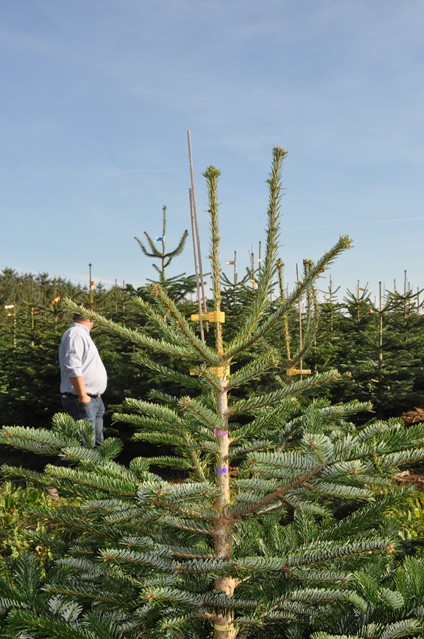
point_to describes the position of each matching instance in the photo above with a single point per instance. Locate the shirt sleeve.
(73, 356)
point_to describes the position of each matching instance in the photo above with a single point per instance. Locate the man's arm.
(78, 384)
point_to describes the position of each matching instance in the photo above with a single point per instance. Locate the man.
(83, 377)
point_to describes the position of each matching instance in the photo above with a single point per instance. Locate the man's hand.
(78, 384)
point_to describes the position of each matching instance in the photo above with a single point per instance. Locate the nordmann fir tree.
(163, 255)
(275, 513)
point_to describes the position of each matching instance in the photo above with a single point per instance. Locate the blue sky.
(98, 95)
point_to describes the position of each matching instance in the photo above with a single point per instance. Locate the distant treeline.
(378, 349)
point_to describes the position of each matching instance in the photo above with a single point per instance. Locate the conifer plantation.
(264, 512)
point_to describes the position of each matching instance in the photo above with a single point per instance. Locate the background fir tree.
(164, 256)
(347, 339)
(402, 335)
(376, 346)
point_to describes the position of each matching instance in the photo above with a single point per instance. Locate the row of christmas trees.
(377, 348)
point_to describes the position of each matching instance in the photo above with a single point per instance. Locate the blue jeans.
(93, 411)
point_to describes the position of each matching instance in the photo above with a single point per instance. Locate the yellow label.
(213, 316)
(298, 371)
(220, 371)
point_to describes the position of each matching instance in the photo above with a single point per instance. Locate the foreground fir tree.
(272, 522)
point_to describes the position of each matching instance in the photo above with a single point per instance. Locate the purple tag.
(220, 432)
(222, 470)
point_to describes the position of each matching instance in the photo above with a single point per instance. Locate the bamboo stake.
(285, 319)
(200, 285)
(300, 324)
(196, 267)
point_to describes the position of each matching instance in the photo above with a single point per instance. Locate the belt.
(73, 395)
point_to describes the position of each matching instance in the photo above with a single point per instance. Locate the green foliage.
(376, 348)
(410, 517)
(388, 373)
(19, 530)
(165, 257)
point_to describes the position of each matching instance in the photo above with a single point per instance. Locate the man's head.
(77, 317)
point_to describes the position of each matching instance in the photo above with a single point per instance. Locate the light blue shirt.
(78, 356)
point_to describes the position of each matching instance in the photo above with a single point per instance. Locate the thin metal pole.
(300, 325)
(196, 226)
(91, 284)
(380, 341)
(196, 237)
(252, 268)
(196, 267)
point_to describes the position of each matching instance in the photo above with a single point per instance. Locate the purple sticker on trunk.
(220, 432)
(222, 470)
